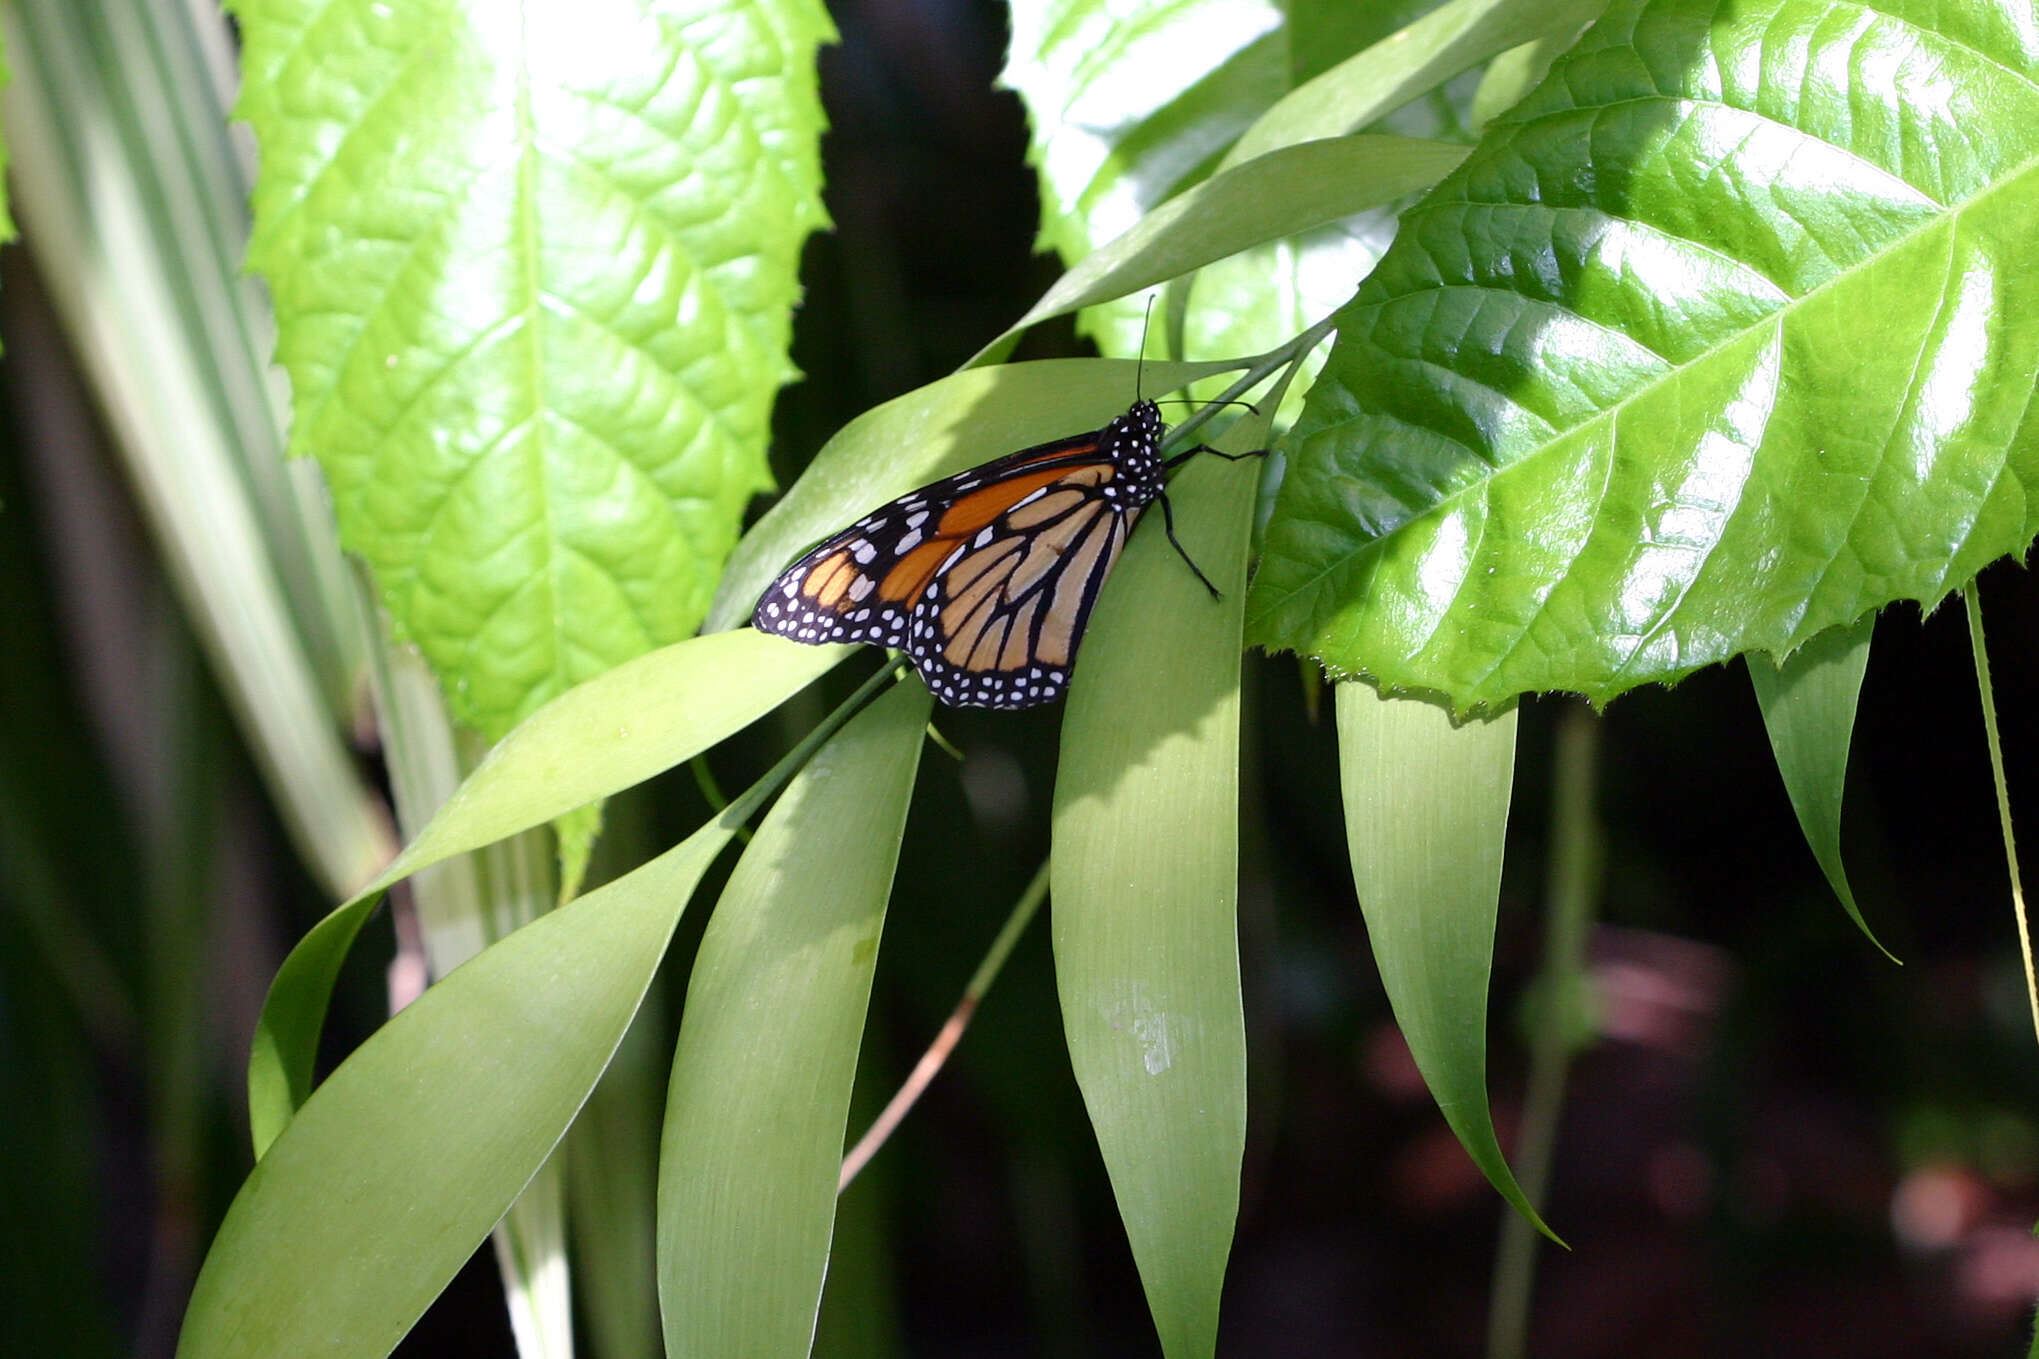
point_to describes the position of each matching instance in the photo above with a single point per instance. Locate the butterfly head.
(1137, 433)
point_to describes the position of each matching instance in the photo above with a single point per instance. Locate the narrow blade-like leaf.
(768, 1045)
(1426, 812)
(616, 730)
(1144, 887)
(1808, 705)
(398, 1165)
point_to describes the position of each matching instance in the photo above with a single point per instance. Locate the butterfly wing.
(861, 584)
(985, 579)
(1000, 622)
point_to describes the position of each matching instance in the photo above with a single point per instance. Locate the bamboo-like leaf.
(1280, 194)
(1808, 705)
(534, 267)
(768, 1047)
(1373, 83)
(1126, 117)
(1426, 812)
(1144, 889)
(398, 1165)
(609, 733)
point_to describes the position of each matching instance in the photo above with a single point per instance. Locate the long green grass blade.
(159, 325)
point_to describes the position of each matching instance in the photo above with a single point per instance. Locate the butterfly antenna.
(1140, 371)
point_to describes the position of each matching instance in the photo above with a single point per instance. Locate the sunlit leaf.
(534, 267)
(1144, 893)
(1722, 338)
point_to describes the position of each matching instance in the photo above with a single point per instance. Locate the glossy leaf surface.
(1725, 336)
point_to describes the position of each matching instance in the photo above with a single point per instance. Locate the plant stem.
(1996, 764)
(951, 1033)
(1562, 1021)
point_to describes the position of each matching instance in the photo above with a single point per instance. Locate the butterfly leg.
(1187, 454)
(1168, 522)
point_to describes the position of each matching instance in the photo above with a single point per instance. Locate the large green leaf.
(534, 266)
(768, 1047)
(1145, 886)
(1725, 336)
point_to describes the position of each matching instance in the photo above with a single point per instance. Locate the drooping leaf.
(616, 730)
(1426, 812)
(768, 1046)
(398, 1165)
(1144, 892)
(533, 267)
(1808, 704)
(1724, 337)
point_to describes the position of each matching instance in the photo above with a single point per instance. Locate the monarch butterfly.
(986, 579)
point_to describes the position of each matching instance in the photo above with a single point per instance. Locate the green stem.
(1560, 1029)
(1257, 371)
(931, 1061)
(1996, 764)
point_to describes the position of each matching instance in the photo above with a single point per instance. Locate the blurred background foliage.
(1834, 1154)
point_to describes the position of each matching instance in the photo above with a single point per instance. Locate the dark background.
(1781, 1143)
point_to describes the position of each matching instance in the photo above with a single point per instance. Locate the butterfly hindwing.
(1000, 627)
